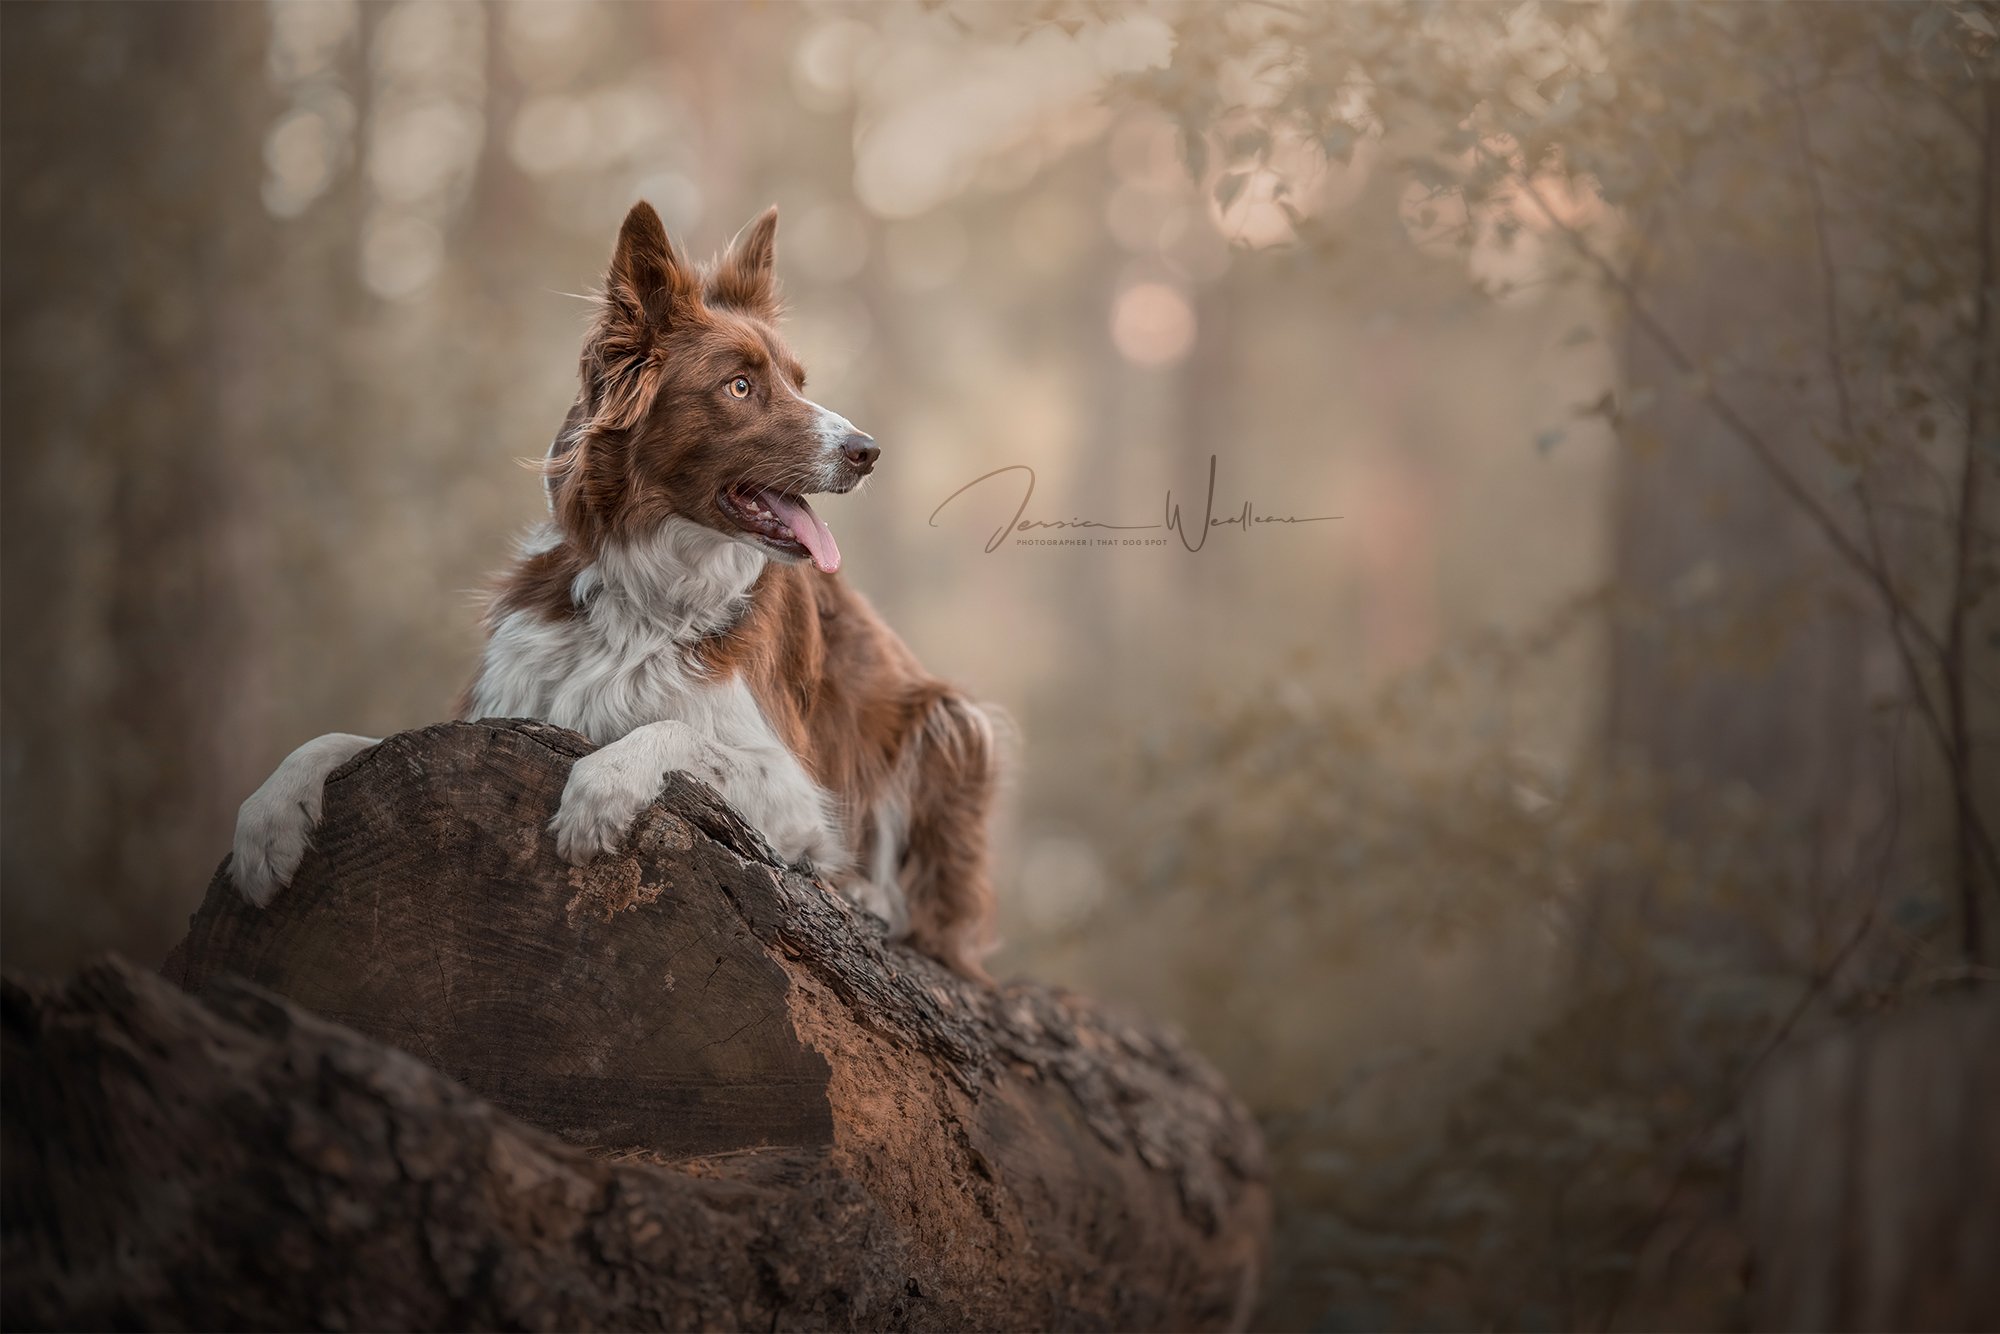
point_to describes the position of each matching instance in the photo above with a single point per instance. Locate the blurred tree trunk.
(1747, 657)
(133, 408)
(1873, 1157)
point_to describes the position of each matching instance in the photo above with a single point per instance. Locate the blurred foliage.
(1665, 925)
(1572, 1168)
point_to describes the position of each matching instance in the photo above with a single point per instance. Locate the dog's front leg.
(275, 824)
(764, 783)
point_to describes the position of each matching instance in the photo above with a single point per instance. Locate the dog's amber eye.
(739, 387)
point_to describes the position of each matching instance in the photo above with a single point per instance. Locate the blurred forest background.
(1633, 723)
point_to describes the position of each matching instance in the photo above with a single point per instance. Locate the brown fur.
(541, 583)
(852, 702)
(654, 433)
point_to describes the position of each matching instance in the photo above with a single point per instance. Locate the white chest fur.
(619, 673)
(623, 662)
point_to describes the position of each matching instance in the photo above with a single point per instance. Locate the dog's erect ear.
(647, 277)
(745, 279)
(647, 288)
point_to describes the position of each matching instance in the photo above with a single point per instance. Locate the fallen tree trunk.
(751, 1110)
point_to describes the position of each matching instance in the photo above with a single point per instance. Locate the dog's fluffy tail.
(953, 766)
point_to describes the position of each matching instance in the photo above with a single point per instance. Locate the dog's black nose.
(860, 450)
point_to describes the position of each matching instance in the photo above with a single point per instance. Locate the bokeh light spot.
(1152, 324)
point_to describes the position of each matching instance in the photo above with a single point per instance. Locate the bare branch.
(1976, 842)
(1971, 834)
(1837, 372)
(1787, 481)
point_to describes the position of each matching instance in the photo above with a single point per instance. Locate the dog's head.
(692, 406)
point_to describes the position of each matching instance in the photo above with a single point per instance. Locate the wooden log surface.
(692, 1089)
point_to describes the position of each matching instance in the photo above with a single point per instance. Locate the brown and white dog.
(682, 610)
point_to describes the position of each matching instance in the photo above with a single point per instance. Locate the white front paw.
(272, 832)
(599, 803)
(797, 820)
(808, 842)
(274, 827)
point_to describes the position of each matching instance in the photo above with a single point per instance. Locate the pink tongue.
(809, 528)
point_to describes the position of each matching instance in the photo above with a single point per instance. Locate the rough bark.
(752, 1110)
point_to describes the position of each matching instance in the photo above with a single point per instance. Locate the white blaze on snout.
(831, 428)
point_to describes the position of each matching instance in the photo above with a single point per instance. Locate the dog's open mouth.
(783, 522)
